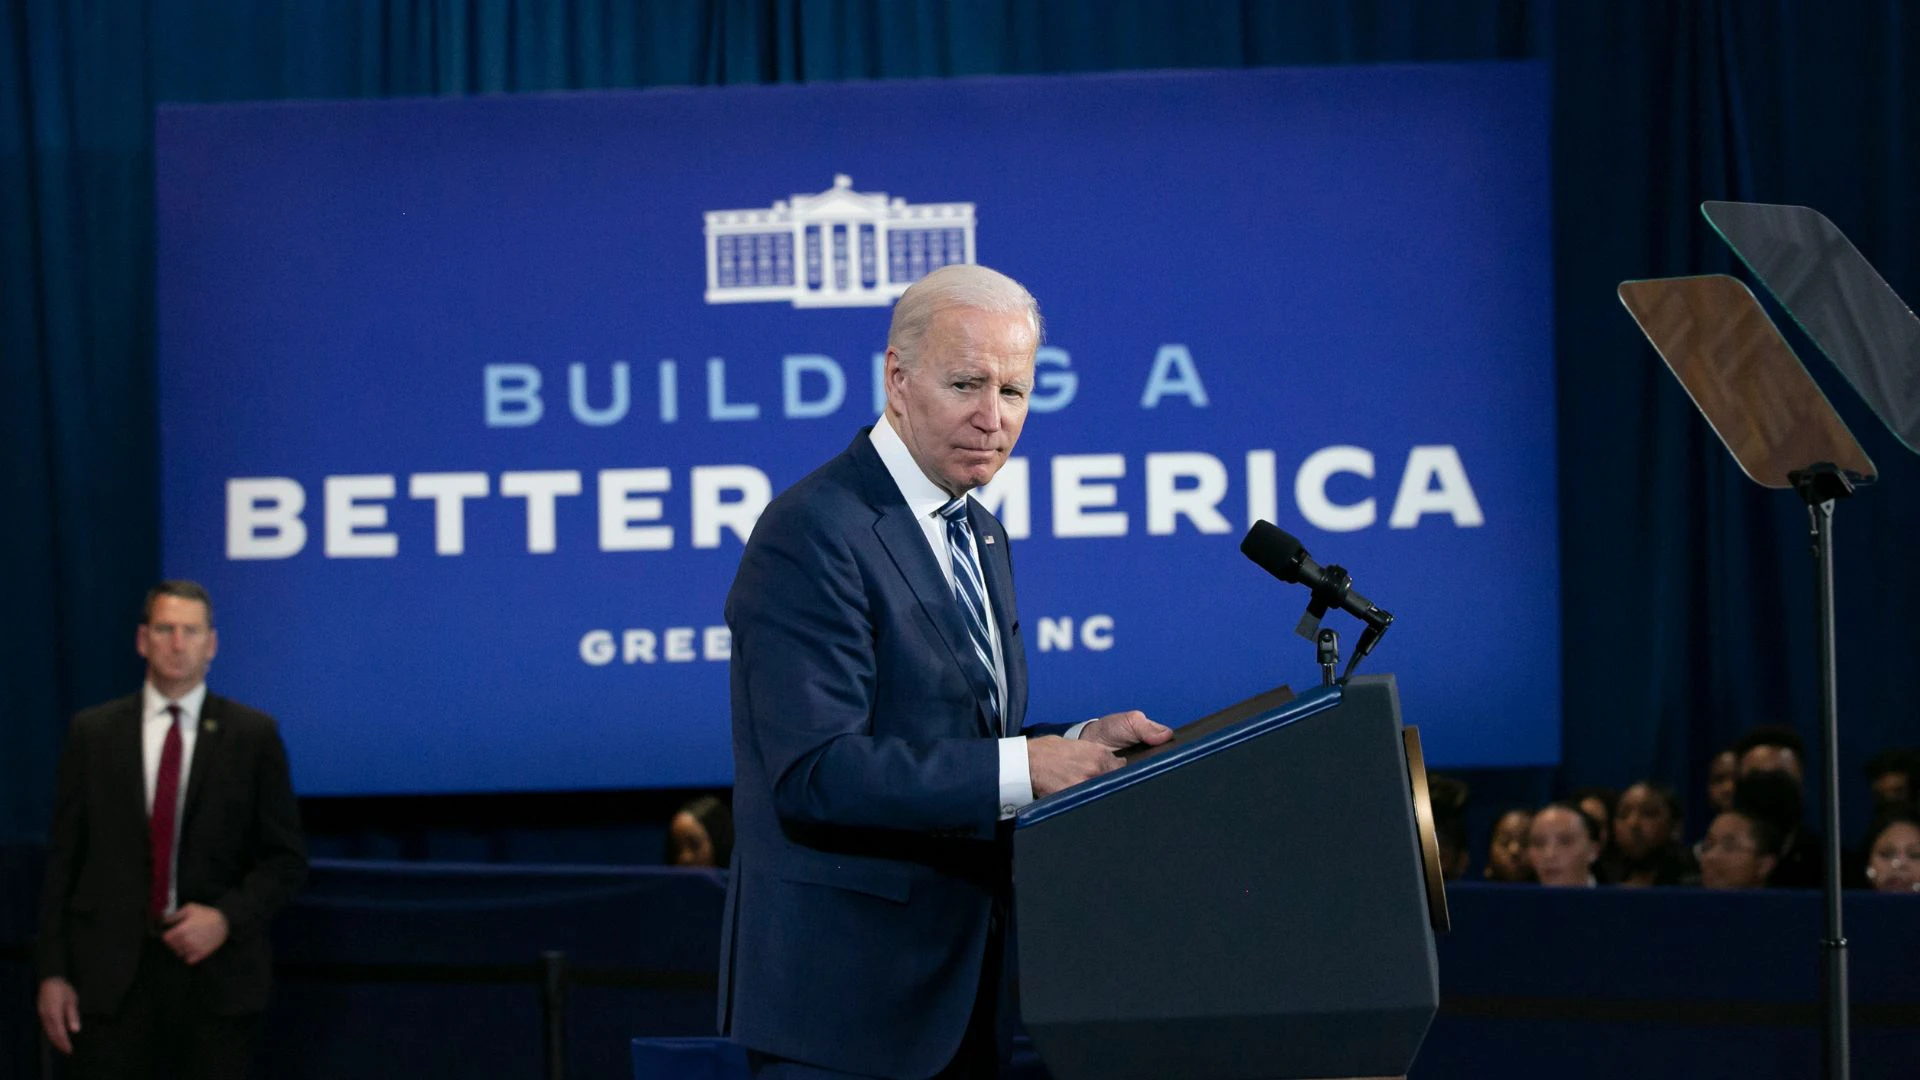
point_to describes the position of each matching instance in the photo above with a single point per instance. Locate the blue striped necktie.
(970, 589)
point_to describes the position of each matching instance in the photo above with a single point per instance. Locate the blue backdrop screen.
(468, 405)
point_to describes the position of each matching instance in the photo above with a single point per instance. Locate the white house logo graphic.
(840, 248)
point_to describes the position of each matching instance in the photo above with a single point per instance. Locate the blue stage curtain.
(1686, 596)
(1687, 591)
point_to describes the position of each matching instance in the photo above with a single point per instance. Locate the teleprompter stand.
(1783, 432)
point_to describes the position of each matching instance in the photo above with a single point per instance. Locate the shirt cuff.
(1074, 731)
(1016, 782)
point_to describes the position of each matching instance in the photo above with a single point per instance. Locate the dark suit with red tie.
(868, 862)
(239, 850)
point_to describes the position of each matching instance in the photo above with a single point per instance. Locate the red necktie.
(166, 796)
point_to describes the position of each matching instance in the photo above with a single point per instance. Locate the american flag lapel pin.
(989, 539)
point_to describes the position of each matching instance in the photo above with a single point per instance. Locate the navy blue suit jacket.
(866, 793)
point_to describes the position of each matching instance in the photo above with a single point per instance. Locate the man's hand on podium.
(1117, 731)
(1054, 763)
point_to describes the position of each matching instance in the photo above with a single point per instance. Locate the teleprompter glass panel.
(1838, 298)
(1743, 377)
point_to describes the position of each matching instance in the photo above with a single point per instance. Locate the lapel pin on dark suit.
(988, 540)
(210, 727)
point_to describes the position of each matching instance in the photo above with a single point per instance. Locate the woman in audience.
(1774, 796)
(701, 834)
(1646, 834)
(1562, 845)
(1507, 850)
(1720, 777)
(1738, 852)
(1893, 850)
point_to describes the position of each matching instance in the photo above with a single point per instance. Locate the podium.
(1257, 902)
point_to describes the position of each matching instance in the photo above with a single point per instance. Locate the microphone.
(1281, 554)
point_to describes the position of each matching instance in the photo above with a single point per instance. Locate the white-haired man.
(879, 698)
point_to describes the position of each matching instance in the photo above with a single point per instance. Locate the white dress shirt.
(925, 498)
(153, 739)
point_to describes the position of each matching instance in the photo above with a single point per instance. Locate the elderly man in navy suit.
(879, 687)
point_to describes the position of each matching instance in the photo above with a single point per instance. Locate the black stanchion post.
(553, 1008)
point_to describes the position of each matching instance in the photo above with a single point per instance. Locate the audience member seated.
(1891, 773)
(1739, 851)
(1893, 850)
(701, 834)
(1776, 751)
(1448, 798)
(1772, 748)
(1599, 803)
(1562, 844)
(1507, 847)
(1720, 776)
(1646, 835)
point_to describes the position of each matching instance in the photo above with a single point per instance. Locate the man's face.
(1891, 789)
(1772, 759)
(1729, 857)
(1720, 777)
(960, 406)
(177, 642)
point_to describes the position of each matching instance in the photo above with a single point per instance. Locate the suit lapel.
(907, 545)
(206, 743)
(127, 758)
(996, 565)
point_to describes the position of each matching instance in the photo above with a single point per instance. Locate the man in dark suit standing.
(175, 838)
(879, 697)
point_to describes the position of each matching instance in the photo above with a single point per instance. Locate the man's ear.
(1766, 864)
(140, 640)
(894, 375)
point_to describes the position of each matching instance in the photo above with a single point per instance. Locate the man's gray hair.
(960, 285)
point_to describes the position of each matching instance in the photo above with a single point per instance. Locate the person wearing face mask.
(1562, 845)
(1893, 850)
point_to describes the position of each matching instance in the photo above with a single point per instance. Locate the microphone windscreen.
(1274, 550)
